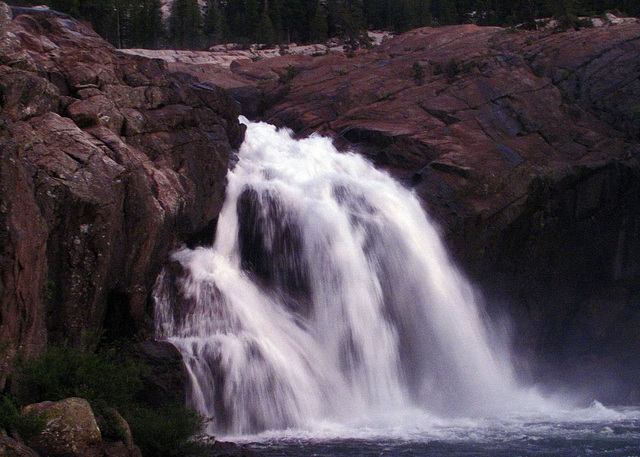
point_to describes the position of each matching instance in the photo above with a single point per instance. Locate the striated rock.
(108, 163)
(523, 145)
(71, 429)
(22, 256)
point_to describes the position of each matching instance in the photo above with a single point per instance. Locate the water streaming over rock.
(326, 295)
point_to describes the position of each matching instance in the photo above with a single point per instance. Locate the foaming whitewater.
(327, 297)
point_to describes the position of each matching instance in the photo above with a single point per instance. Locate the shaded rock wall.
(108, 162)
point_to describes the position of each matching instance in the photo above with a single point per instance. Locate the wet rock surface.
(167, 380)
(108, 163)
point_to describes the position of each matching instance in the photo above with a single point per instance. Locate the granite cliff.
(107, 163)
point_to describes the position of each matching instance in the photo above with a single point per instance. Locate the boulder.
(22, 257)
(167, 380)
(116, 434)
(71, 429)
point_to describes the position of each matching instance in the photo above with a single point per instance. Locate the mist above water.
(328, 296)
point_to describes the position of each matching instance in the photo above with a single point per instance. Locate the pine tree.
(563, 11)
(447, 12)
(104, 15)
(71, 7)
(319, 26)
(185, 25)
(252, 15)
(146, 28)
(265, 33)
(346, 20)
(401, 16)
(375, 13)
(233, 19)
(212, 23)
(295, 22)
(275, 14)
(242, 18)
(422, 13)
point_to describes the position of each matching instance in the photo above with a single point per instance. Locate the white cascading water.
(327, 296)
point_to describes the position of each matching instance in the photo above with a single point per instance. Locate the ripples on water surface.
(595, 431)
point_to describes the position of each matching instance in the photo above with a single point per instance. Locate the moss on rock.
(71, 429)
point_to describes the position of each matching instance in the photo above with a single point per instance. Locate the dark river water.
(594, 431)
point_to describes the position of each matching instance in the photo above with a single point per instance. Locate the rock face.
(108, 162)
(167, 380)
(524, 146)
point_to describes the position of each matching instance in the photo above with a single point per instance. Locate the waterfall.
(327, 295)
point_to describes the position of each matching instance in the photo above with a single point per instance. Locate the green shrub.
(167, 434)
(289, 73)
(106, 380)
(63, 372)
(417, 72)
(583, 22)
(14, 421)
(452, 69)
(436, 67)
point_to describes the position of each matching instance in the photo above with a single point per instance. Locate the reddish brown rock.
(22, 258)
(108, 163)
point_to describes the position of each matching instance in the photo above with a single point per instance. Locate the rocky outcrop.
(121, 444)
(524, 145)
(108, 162)
(166, 382)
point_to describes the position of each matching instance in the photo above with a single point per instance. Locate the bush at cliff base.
(13, 420)
(108, 381)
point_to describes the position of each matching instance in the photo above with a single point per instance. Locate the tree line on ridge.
(199, 24)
